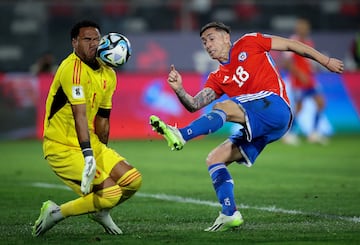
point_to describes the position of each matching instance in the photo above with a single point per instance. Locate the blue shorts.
(268, 117)
(301, 94)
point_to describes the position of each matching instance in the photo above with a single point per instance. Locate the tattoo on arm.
(192, 104)
(204, 97)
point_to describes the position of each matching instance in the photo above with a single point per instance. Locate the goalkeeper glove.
(89, 170)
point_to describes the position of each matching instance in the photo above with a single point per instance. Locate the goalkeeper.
(76, 131)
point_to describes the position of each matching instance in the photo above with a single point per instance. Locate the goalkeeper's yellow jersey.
(76, 83)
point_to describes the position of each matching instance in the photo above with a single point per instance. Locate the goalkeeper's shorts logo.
(97, 174)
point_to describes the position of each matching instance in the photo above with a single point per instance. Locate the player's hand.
(335, 65)
(88, 174)
(174, 79)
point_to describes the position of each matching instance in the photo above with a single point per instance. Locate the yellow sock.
(130, 183)
(108, 197)
(93, 202)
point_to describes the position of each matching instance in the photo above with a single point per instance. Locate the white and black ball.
(114, 49)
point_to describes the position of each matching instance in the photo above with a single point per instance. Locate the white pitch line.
(179, 199)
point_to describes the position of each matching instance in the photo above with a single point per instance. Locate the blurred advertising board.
(139, 95)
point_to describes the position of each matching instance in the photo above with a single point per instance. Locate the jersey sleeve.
(212, 82)
(110, 77)
(264, 41)
(73, 80)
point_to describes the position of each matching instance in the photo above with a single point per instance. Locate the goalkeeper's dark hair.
(84, 23)
(217, 25)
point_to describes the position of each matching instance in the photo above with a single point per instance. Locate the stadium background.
(164, 33)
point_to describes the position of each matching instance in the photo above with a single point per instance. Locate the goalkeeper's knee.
(108, 197)
(129, 183)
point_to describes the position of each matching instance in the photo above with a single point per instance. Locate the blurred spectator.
(201, 9)
(248, 14)
(350, 8)
(44, 64)
(247, 10)
(304, 85)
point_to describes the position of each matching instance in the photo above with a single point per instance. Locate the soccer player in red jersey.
(304, 84)
(257, 101)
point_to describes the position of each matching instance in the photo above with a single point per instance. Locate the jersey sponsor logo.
(242, 56)
(77, 92)
(225, 79)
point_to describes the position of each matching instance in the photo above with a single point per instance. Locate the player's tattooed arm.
(192, 104)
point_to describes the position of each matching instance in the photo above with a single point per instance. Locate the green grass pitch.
(308, 194)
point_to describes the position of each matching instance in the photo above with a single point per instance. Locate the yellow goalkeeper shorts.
(68, 162)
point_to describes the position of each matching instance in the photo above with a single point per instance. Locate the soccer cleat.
(103, 218)
(317, 138)
(224, 222)
(170, 133)
(291, 139)
(49, 216)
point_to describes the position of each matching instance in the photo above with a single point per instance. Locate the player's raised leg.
(176, 138)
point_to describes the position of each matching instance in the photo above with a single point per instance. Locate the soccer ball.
(114, 49)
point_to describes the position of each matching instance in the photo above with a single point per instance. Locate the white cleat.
(224, 222)
(317, 138)
(49, 215)
(291, 139)
(103, 218)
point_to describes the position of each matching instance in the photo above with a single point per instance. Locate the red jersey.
(250, 69)
(304, 65)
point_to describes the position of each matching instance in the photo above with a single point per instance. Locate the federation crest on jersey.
(77, 92)
(242, 56)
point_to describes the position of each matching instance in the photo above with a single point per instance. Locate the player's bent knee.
(232, 110)
(108, 197)
(129, 177)
(220, 106)
(130, 190)
(210, 159)
(129, 183)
